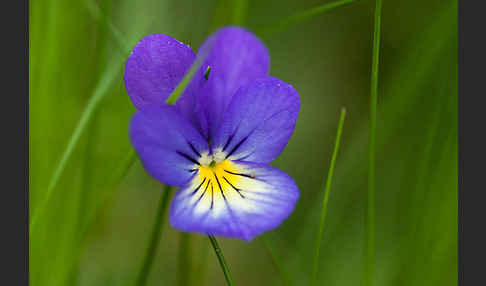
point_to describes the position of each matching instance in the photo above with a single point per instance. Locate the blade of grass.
(369, 256)
(92, 128)
(98, 94)
(426, 171)
(279, 27)
(276, 262)
(131, 157)
(88, 112)
(184, 82)
(300, 17)
(327, 191)
(87, 115)
(144, 272)
(121, 172)
(99, 15)
(103, 35)
(96, 212)
(222, 261)
(417, 65)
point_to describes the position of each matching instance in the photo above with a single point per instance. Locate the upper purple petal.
(235, 57)
(168, 145)
(258, 122)
(156, 65)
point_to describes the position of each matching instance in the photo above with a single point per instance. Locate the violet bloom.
(216, 142)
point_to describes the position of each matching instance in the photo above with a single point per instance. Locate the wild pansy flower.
(216, 143)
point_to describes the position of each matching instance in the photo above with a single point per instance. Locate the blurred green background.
(96, 226)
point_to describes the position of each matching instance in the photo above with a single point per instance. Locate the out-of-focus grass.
(369, 237)
(328, 60)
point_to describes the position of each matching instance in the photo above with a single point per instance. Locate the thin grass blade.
(369, 256)
(327, 191)
(99, 15)
(301, 17)
(88, 112)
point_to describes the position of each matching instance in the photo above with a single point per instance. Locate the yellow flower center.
(220, 177)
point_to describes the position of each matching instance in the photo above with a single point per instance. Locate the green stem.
(301, 17)
(144, 272)
(276, 262)
(368, 273)
(327, 191)
(222, 262)
(184, 82)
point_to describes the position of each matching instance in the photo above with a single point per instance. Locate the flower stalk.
(222, 261)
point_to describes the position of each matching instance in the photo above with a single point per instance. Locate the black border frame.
(14, 204)
(471, 63)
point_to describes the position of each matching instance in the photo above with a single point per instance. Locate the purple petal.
(156, 65)
(259, 121)
(235, 57)
(238, 200)
(168, 145)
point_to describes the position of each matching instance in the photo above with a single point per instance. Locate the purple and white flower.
(216, 143)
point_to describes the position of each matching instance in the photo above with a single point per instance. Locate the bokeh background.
(97, 224)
